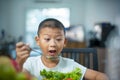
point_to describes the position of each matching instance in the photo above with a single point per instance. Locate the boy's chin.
(52, 57)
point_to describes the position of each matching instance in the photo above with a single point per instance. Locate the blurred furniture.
(102, 56)
(75, 44)
(85, 56)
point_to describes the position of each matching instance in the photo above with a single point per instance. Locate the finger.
(20, 44)
(24, 57)
(28, 46)
(23, 48)
(24, 53)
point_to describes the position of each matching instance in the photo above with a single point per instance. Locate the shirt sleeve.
(83, 72)
(83, 69)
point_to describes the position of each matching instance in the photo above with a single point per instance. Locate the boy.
(51, 39)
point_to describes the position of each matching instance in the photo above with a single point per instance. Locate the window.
(35, 16)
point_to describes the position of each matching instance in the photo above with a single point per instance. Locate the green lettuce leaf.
(55, 75)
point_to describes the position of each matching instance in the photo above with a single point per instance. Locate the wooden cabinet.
(72, 44)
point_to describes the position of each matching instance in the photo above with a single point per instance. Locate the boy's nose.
(52, 43)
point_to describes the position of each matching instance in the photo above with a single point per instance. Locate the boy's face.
(51, 41)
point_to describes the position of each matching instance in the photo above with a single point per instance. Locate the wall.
(86, 12)
(13, 13)
(101, 11)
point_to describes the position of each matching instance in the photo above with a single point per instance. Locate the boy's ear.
(65, 42)
(37, 40)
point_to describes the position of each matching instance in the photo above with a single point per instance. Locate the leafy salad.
(55, 75)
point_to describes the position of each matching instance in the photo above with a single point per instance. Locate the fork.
(35, 50)
(48, 57)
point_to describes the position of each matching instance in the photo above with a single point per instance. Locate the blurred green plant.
(8, 71)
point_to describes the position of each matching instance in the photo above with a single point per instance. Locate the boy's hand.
(22, 52)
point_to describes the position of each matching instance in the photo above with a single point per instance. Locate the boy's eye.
(47, 39)
(59, 39)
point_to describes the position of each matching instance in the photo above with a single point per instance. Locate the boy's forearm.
(102, 76)
(20, 64)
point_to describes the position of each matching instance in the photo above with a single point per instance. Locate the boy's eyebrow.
(56, 35)
(45, 34)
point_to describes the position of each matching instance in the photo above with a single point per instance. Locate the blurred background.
(88, 23)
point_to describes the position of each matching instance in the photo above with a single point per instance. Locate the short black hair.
(56, 24)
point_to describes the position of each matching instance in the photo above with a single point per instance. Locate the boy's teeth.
(52, 51)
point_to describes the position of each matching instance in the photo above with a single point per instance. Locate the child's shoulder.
(70, 61)
(64, 59)
(34, 58)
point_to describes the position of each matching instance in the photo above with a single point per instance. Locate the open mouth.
(52, 52)
(53, 55)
